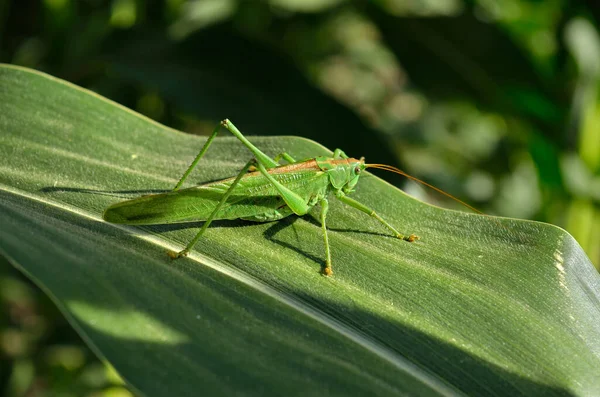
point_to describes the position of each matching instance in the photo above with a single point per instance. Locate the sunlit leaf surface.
(477, 306)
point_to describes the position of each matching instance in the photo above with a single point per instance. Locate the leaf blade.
(470, 308)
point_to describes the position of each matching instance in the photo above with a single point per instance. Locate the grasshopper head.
(356, 167)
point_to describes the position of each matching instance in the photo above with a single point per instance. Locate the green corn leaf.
(478, 306)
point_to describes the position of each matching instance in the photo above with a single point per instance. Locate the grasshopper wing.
(252, 197)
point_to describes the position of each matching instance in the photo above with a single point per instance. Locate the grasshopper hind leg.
(326, 271)
(186, 250)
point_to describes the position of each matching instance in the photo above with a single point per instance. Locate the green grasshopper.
(263, 191)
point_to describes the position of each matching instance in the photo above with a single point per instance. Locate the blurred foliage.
(40, 353)
(496, 103)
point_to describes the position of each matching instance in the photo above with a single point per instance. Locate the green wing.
(253, 197)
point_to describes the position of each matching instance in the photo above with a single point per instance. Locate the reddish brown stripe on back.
(308, 165)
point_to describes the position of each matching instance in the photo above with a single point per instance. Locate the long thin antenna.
(398, 171)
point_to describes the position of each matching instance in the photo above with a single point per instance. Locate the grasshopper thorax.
(343, 173)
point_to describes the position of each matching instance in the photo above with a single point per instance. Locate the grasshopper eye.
(357, 170)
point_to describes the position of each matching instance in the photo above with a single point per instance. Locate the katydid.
(263, 191)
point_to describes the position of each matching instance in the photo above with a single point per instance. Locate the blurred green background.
(494, 102)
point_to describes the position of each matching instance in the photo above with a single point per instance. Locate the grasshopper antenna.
(399, 171)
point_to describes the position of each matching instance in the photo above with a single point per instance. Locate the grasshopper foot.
(326, 271)
(176, 255)
(411, 238)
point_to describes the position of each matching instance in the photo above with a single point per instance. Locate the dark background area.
(494, 102)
